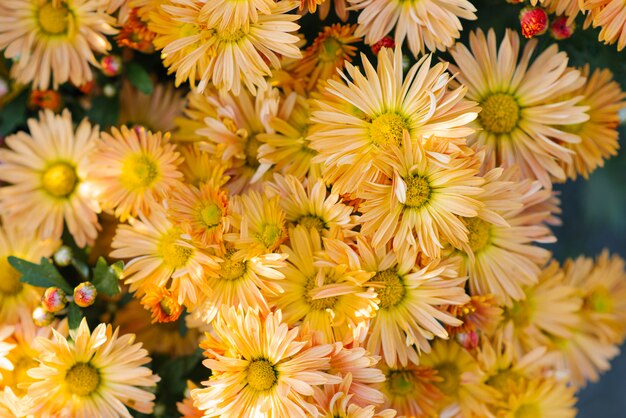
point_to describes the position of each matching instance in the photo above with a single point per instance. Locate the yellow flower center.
(387, 129)
(400, 383)
(251, 150)
(451, 376)
(9, 279)
(139, 172)
(501, 380)
(82, 379)
(211, 215)
(479, 233)
(231, 35)
(167, 305)
(173, 254)
(529, 410)
(331, 48)
(59, 180)
(500, 113)
(261, 375)
(270, 235)
(54, 20)
(311, 221)
(232, 270)
(600, 300)
(418, 191)
(389, 287)
(520, 312)
(323, 303)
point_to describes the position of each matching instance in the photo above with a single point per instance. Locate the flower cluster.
(341, 235)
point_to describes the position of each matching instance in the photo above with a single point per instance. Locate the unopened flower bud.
(63, 257)
(85, 294)
(42, 317)
(469, 340)
(111, 65)
(53, 299)
(560, 29)
(386, 42)
(534, 21)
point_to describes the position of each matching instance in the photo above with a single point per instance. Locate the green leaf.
(74, 315)
(107, 278)
(139, 77)
(43, 274)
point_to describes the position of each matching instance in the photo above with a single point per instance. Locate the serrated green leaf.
(43, 274)
(139, 77)
(107, 278)
(74, 315)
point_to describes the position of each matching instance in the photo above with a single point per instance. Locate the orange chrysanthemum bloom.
(135, 34)
(598, 135)
(133, 170)
(610, 16)
(274, 369)
(162, 304)
(356, 121)
(522, 101)
(48, 175)
(53, 41)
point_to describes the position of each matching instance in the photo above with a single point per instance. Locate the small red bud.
(53, 299)
(85, 294)
(534, 21)
(560, 29)
(469, 340)
(111, 65)
(386, 42)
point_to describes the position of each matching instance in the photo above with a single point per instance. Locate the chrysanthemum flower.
(241, 280)
(133, 170)
(158, 338)
(409, 298)
(24, 354)
(359, 119)
(261, 368)
(339, 6)
(259, 223)
(480, 316)
(160, 256)
(162, 304)
(500, 256)
(423, 193)
(15, 295)
(462, 382)
(330, 51)
(549, 310)
(523, 110)
(610, 16)
(582, 356)
(326, 295)
(426, 25)
(566, 8)
(155, 112)
(51, 41)
(602, 285)
(598, 135)
(231, 128)
(134, 32)
(540, 398)
(411, 390)
(201, 212)
(307, 205)
(47, 172)
(200, 167)
(335, 401)
(226, 14)
(226, 56)
(97, 374)
(287, 146)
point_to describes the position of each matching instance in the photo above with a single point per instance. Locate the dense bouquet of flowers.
(302, 208)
